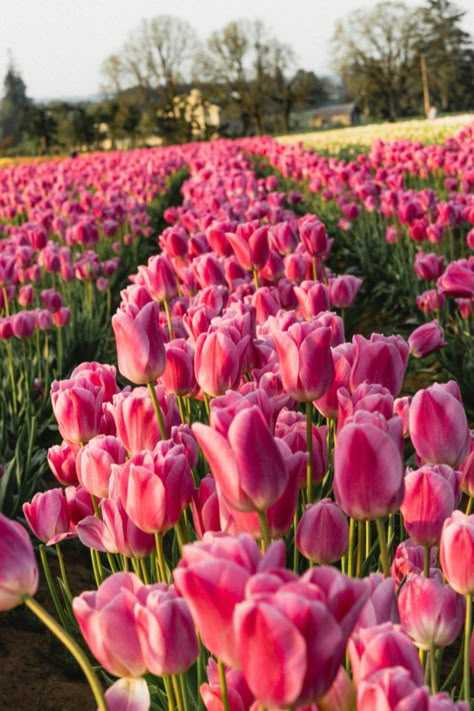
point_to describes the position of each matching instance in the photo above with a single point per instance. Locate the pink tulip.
(107, 622)
(392, 689)
(430, 612)
(128, 694)
(218, 360)
(279, 516)
(443, 702)
(426, 339)
(212, 576)
(291, 428)
(366, 397)
(306, 363)
(343, 290)
(114, 532)
(240, 696)
(135, 418)
(140, 348)
(456, 552)
(368, 468)
(62, 462)
(428, 266)
(94, 463)
(281, 622)
(312, 298)
(165, 631)
(205, 507)
(322, 534)
(408, 558)
(313, 235)
(382, 360)
(156, 487)
(431, 495)
(159, 278)
(48, 517)
(383, 646)
(18, 568)
(438, 425)
(382, 605)
(178, 375)
(327, 405)
(467, 469)
(77, 407)
(250, 245)
(245, 461)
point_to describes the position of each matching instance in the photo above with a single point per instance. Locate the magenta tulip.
(218, 360)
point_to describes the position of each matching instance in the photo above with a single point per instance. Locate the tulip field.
(238, 386)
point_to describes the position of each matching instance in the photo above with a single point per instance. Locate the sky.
(58, 46)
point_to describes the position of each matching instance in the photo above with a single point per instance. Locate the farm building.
(336, 115)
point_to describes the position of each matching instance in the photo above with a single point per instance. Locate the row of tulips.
(253, 417)
(71, 232)
(418, 240)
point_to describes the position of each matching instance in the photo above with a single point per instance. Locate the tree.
(374, 53)
(14, 107)
(250, 74)
(447, 52)
(154, 62)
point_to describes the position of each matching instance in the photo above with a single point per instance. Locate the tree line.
(393, 60)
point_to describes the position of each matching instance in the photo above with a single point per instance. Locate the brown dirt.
(37, 673)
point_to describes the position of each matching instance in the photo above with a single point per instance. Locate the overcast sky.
(59, 45)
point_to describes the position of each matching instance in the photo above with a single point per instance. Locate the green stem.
(159, 414)
(383, 547)
(168, 318)
(426, 561)
(432, 661)
(72, 647)
(256, 280)
(177, 692)
(51, 588)
(144, 572)
(11, 373)
(266, 535)
(223, 683)
(350, 550)
(467, 641)
(309, 447)
(469, 506)
(169, 692)
(62, 570)
(360, 543)
(184, 692)
(160, 558)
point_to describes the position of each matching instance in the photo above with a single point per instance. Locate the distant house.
(336, 115)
